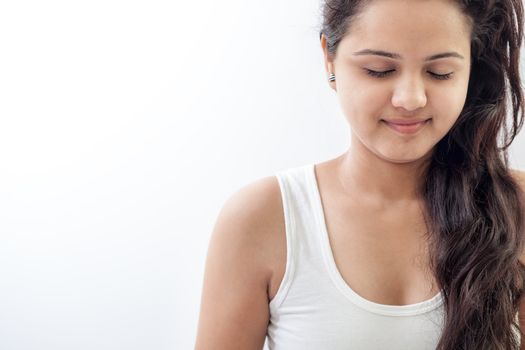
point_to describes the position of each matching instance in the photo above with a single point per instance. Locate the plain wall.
(124, 126)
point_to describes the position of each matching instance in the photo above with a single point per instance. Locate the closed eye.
(385, 73)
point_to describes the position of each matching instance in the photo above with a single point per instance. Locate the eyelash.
(385, 73)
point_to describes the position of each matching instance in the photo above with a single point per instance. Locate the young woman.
(414, 237)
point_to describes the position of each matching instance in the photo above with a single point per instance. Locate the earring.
(332, 77)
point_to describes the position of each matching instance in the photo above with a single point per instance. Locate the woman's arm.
(520, 178)
(234, 310)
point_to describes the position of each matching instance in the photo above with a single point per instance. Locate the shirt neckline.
(337, 279)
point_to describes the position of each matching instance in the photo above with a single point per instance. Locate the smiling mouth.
(407, 128)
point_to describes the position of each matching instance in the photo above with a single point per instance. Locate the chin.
(403, 158)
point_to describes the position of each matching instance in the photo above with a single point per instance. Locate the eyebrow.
(398, 56)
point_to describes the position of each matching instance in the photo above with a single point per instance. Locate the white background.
(124, 126)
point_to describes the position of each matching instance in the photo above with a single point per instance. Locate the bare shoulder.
(257, 204)
(256, 209)
(519, 177)
(234, 304)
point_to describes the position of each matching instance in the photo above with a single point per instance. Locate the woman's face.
(415, 85)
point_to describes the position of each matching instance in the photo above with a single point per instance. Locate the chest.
(381, 251)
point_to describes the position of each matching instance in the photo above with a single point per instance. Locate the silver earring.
(332, 77)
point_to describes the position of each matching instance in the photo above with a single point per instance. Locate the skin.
(375, 179)
(382, 164)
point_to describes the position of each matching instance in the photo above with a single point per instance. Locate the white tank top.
(314, 308)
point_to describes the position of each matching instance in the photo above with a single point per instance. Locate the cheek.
(448, 104)
(362, 102)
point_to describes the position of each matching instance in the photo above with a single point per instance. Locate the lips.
(407, 126)
(405, 121)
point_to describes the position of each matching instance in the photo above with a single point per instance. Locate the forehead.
(411, 26)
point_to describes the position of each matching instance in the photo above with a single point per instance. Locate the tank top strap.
(304, 255)
(314, 308)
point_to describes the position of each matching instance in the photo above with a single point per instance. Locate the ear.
(328, 62)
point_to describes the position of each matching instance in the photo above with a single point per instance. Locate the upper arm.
(519, 176)
(234, 311)
(520, 179)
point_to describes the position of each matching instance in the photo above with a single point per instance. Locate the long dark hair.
(473, 205)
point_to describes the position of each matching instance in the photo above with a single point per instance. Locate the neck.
(371, 177)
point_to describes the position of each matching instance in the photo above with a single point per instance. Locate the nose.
(409, 93)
